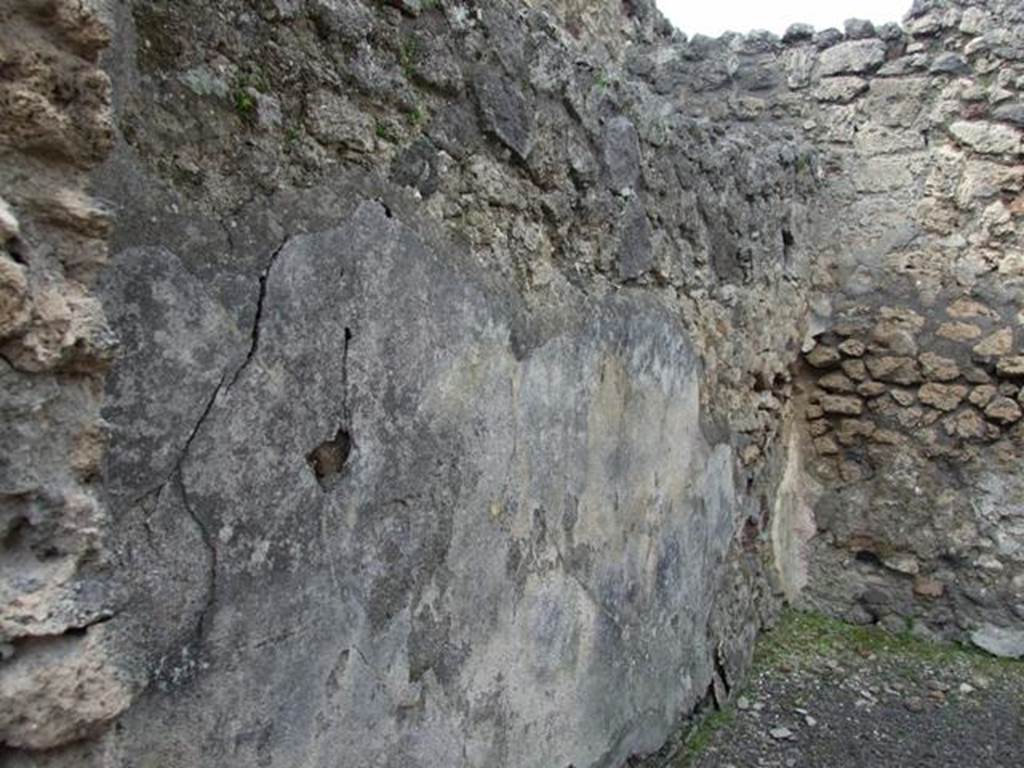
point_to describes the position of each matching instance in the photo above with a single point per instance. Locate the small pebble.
(914, 705)
(743, 703)
(781, 733)
(811, 722)
(966, 688)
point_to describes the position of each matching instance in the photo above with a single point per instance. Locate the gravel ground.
(827, 695)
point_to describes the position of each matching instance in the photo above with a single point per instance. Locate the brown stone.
(853, 348)
(902, 396)
(855, 369)
(967, 425)
(1003, 410)
(843, 405)
(852, 472)
(909, 417)
(925, 586)
(818, 427)
(1011, 367)
(966, 308)
(886, 437)
(850, 327)
(871, 389)
(14, 297)
(998, 343)
(959, 331)
(945, 397)
(836, 382)
(826, 446)
(982, 395)
(823, 356)
(898, 370)
(814, 412)
(850, 431)
(895, 338)
(938, 368)
(903, 317)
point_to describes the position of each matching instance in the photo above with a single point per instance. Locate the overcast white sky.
(713, 17)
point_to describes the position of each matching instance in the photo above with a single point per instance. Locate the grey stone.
(410, 7)
(853, 57)
(635, 249)
(620, 153)
(797, 33)
(826, 38)
(890, 32)
(335, 120)
(949, 63)
(840, 90)
(505, 113)
(1010, 113)
(999, 641)
(858, 29)
(904, 65)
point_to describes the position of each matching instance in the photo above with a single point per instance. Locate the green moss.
(801, 637)
(384, 132)
(245, 104)
(407, 57)
(700, 737)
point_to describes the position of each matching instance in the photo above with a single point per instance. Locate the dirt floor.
(828, 695)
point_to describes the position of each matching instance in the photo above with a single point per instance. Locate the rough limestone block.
(854, 57)
(840, 90)
(998, 343)
(842, 405)
(1003, 410)
(823, 356)
(938, 368)
(1011, 366)
(942, 396)
(987, 138)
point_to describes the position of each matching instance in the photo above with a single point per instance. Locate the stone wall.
(447, 409)
(487, 373)
(60, 676)
(911, 382)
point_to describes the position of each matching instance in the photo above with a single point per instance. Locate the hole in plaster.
(866, 556)
(14, 536)
(16, 252)
(329, 458)
(788, 241)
